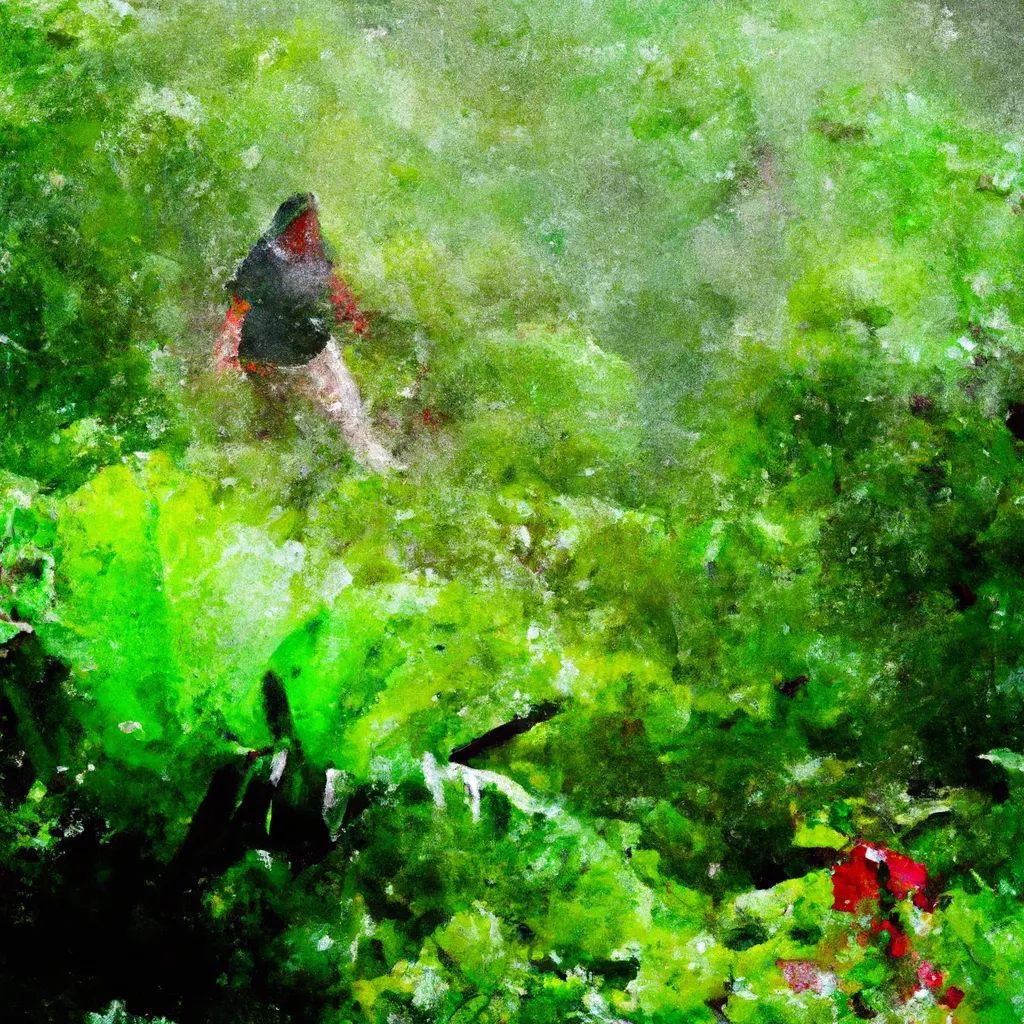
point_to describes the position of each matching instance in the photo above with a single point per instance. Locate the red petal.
(855, 880)
(905, 875)
(928, 976)
(899, 944)
(953, 998)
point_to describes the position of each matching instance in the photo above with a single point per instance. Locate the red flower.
(855, 880)
(859, 880)
(953, 998)
(899, 944)
(906, 876)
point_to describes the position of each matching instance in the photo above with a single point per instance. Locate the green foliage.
(696, 327)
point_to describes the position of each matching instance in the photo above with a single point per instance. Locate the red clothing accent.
(225, 349)
(344, 302)
(302, 236)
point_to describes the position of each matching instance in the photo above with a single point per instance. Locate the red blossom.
(855, 880)
(899, 944)
(858, 881)
(906, 876)
(953, 998)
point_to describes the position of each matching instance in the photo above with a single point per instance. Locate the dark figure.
(285, 296)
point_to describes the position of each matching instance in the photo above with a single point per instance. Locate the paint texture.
(591, 590)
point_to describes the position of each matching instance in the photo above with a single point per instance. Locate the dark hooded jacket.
(286, 282)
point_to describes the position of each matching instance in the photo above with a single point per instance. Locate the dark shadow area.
(502, 734)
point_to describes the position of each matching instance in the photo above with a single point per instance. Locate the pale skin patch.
(328, 382)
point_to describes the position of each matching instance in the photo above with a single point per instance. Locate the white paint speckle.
(251, 158)
(277, 766)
